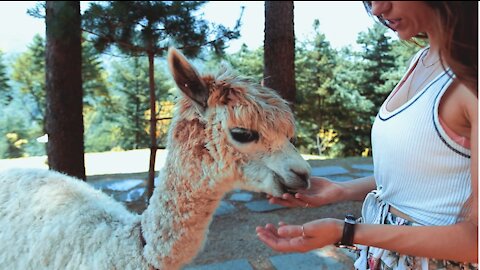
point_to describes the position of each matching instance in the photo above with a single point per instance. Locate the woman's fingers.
(291, 231)
(310, 199)
(288, 200)
(280, 201)
(287, 238)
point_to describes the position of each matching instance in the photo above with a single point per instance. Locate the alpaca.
(226, 133)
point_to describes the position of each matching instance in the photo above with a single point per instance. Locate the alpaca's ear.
(187, 78)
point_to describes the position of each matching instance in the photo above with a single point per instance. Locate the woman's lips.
(393, 24)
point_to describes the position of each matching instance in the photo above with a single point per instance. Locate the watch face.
(350, 219)
(352, 222)
(352, 247)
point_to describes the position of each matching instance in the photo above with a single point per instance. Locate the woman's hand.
(298, 238)
(320, 192)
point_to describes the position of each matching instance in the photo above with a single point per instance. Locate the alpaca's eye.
(243, 135)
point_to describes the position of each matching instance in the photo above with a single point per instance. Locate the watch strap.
(348, 233)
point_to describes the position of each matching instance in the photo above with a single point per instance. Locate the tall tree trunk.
(64, 114)
(153, 126)
(279, 49)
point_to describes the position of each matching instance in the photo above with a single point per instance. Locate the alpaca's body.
(226, 133)
(93, 230)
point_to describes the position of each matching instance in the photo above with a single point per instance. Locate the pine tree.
(29, 74)
(130, 84)
(377, 59)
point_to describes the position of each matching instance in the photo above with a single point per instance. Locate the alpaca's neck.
(181, 208)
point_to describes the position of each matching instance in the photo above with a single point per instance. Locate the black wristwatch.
(348, 233)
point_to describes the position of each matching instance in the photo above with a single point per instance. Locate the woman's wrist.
(346, 192)
(339, 224)
(357, 189)
(330, 230)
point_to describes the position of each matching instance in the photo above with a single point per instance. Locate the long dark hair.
(458, 21)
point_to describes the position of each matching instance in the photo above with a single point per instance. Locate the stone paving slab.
(328, 170)
(241, 197)
(132, 195)
(365, 167)
(241, 264)
(362, 174)
(224, 208)
(306, 261)
(117, 184)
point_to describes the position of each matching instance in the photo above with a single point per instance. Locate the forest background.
(337, 95)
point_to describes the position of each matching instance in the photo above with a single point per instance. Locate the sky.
(340, 21)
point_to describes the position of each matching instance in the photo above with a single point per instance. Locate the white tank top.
(418, 168)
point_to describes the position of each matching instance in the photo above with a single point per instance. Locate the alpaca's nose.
(303, 176)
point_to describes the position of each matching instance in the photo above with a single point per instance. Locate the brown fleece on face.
(252, 106)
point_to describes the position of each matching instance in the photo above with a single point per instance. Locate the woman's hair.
(458, 23)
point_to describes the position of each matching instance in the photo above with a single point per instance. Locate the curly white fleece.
(52, 221)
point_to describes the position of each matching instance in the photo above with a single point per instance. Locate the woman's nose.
(380, 7)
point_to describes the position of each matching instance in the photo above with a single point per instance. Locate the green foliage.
(328, 99)
(248, 63)
(402, 53)
(140, 27)
(315, 63)
(355, 111)
(124, 124)
(102, 131)
(21, 119)
(377, 59)
(29, 74)
(18, 134)
(11, 143)
(5, 95)
(131, 87)
(94, 78)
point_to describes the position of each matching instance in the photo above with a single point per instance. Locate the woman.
(425, 153)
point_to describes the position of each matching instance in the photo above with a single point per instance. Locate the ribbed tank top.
(419, 169)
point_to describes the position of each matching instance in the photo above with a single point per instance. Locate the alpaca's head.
(244, 124)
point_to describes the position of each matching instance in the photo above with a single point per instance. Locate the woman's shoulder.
(465, 94)
(469, 99)
(462, 99)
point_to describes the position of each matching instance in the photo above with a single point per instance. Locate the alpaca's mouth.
(281, 183)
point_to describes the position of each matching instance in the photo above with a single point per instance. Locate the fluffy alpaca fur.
(227, 133)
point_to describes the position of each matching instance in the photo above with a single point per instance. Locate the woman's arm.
(456, 242)
(357, 189)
